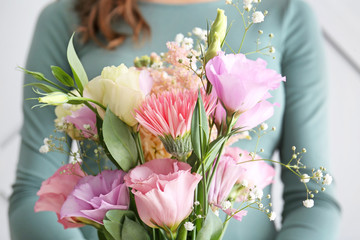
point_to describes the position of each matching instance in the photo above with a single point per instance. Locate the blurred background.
(342, 43)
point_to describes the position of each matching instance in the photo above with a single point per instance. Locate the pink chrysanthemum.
(169, 114)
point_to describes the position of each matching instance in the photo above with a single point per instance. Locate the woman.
(300, 120)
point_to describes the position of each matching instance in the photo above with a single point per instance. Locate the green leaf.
(113, 221)
(46, 88)
(211, 229)
(213, 151)
(77, 68)
(62, 76)
(119, 141)
(199, 129)
(133, 230)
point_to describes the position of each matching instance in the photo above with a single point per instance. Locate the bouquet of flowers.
(164, 127)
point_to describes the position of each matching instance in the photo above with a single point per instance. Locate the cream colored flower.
(120, 88)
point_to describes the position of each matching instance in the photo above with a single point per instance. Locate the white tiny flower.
(47, 141)
(248, 7)
(226, 205)
(189, 226)
(258, 193)
(257, 17)
(179, 37)
(256, 1)
(87, 126)
(272, 50)
(197, 31)
(264, 126)
(247, 2)
(216, 212)
(308, 203)
(305, 178)
(196, 203)
(251, 197)
(188, 43)
(327, 179)
(272, 216)
(244, 183)
(44, 149)
(318, 174)
(228, 2)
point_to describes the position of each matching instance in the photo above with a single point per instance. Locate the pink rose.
(164, 191)
(55, 190)
(241, 83)
(93, 196)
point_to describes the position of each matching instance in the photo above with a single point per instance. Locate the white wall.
(17, 19)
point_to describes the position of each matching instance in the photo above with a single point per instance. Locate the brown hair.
(96, 16)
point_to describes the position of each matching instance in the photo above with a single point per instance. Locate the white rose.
(120, 88)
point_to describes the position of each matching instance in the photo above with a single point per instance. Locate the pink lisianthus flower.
(84, 119)
(164, 192)
(241, 83)
(261, 112)
(55, 190)
(93, 196)
(258, 173)
(225, 177)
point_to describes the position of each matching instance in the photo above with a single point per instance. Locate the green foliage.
(77, 68)
(199, 129)
(46, 88)
(122, 225)
(211, 229)
(62, 76)
(119, 141)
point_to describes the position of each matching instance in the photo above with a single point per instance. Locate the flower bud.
(55, 98)
(214, 48)
(219, 26)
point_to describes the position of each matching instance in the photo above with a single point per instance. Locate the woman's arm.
(305, 125)
(53, 30)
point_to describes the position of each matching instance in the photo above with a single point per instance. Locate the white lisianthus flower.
(120, 88)
(327, 179)
(305, 178)
(308, 203)
(189, 226)
(272, 216)
(257, 17)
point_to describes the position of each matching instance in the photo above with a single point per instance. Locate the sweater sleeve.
(48, 47)
(305, 126)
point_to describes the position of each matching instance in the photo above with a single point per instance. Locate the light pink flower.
(241, 83)
(170, 113)
(93, 196)
(164, 191)
(55, 190)
(84, 119)
(261, 112)
(225, 177)
(258, 173)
